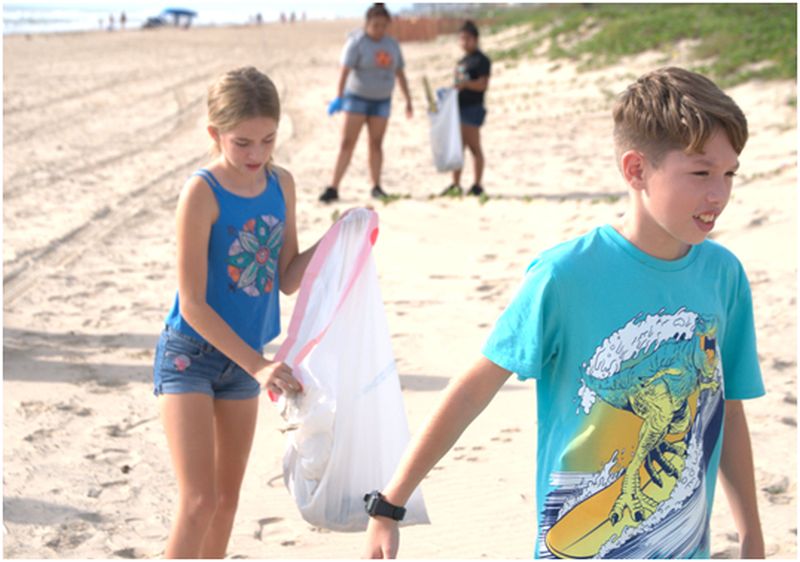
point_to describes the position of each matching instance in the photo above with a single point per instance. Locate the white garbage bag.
(348, 429)
(448, 152)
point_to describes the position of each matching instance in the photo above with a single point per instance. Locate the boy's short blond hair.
(674, 109)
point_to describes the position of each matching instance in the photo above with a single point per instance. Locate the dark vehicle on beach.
(180, 18)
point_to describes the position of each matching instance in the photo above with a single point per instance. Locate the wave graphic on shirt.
(665, 370)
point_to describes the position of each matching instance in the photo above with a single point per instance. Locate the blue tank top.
(243, 250)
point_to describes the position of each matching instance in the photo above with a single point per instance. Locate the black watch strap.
(376, 504)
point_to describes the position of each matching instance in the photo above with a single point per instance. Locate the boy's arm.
(463, 400)
(738, 480)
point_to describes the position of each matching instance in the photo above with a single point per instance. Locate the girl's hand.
(409, 110)
(277, 378)
(335, 105)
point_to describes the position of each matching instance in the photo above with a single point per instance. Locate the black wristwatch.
(376, 504)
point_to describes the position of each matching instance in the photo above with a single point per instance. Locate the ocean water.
(93, 15)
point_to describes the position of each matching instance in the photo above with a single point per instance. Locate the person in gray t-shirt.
(371, 60)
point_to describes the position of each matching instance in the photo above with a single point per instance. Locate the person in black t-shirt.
(472, 80)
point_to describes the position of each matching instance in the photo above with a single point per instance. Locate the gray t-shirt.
(372, 64)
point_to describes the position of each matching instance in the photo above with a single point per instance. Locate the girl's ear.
(633, 164)
(213, 133)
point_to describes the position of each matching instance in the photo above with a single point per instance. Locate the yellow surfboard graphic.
(587, 527)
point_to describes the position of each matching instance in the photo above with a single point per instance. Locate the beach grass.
(732, 43)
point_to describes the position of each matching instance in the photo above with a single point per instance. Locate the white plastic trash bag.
(348, 429)
(448, 152)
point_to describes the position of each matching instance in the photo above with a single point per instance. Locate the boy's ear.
(633, 163)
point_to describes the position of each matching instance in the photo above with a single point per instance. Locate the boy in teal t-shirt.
(642, 342)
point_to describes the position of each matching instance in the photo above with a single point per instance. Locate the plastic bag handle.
(311, 274)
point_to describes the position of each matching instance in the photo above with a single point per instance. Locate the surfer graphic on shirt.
(644, 383)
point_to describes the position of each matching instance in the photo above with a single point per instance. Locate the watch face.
(372, 503)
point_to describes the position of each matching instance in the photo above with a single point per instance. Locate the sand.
(101, 130)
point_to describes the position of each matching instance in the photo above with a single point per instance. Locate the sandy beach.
(100, 132)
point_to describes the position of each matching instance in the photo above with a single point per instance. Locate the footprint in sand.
(38, 435)
(32, 408)
(74, 409)
(127, 426)
(259, 534)
(276, 481)
(505, 439)
(133, 552)
(780, 365)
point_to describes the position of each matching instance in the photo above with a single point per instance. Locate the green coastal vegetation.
(732, 43)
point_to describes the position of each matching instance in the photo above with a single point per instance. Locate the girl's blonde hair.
(239, 94)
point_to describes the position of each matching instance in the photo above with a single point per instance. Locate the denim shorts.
(185, 364)
(371, 108)
(473, 115)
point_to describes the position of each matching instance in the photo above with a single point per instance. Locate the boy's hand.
(752, 547)
(277, 378)
(383, 538)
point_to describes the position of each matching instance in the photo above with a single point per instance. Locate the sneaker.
(452, 190)
(379, 193)
(331, 194)
(475, 190)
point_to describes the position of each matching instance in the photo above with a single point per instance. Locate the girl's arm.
(478, 85)
(738, 480)
(197, 211)
(342, 79)
(464, 399)
(401, 79)
(291, 264)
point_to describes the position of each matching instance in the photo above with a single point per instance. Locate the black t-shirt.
(474, 65)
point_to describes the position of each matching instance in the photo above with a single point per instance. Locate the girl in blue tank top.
(237, 247)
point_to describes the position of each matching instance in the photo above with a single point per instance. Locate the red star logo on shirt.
(383, 59)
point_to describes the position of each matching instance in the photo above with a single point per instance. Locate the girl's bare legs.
(234, 427)
(350, 131)
(376, 128)
(472, 140)
(189, 425)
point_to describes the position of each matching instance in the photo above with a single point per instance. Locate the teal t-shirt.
(634, 358)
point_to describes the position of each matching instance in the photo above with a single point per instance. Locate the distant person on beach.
(236, 248)
(641, 338)
(123, 19)
(111, 22)
(472, 80)
(371, 60)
